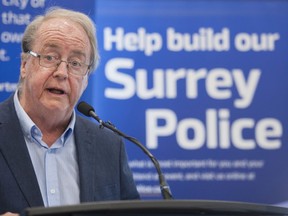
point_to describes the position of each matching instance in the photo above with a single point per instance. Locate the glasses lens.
(74, 67)
(78, 71)
(48, 61)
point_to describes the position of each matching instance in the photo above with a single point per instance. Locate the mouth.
(56, 91)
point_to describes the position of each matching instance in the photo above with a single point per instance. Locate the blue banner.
(203, 85)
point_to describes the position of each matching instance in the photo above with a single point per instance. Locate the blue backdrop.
(202, 84)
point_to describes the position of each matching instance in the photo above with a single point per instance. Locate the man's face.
(47, 90)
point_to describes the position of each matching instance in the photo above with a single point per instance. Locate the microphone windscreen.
(85, 108)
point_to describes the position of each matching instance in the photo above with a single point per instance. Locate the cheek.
(33, 77)
(78, 87)
(82, 84)
(85, 83)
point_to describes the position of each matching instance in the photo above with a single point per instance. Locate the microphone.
(89, 111)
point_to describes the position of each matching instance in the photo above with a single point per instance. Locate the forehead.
(63, 34)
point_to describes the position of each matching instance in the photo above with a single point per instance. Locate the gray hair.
(77, 17)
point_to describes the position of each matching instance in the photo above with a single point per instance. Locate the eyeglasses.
(49, 61)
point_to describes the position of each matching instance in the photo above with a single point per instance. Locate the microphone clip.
(111, 124)
(108, 124)
(101, 124)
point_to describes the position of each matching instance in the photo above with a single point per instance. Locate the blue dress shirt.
(56, 167)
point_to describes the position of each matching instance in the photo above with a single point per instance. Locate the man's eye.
(49, 58)
(75, 64)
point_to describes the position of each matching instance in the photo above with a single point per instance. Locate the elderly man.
(49, 156)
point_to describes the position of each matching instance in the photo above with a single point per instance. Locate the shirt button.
(52, 191)
(35, 131)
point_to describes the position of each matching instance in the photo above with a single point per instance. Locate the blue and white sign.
(203, 85)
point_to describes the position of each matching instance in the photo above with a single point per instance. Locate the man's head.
(30, 37)
(67, 40)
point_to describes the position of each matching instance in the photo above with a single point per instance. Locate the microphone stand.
(165, 189)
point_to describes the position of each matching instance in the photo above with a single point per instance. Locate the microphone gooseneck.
(89, 111)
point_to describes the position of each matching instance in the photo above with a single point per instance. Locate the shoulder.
(92, 129)
(7, 110)
(7, 103)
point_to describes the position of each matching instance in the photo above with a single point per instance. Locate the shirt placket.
(53, 192)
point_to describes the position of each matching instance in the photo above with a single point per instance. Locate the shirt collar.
(29, 127)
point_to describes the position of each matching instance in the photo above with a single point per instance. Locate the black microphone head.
(85, 108)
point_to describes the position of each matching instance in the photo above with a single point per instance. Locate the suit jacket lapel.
(86, 161)
(14, 150)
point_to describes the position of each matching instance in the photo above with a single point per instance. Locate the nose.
(61, 70)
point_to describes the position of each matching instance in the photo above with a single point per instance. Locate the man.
(50, 156)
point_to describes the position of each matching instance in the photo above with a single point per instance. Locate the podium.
(161, 208)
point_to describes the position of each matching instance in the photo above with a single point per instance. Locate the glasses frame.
(39, 56)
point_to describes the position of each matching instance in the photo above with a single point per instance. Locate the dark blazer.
(103, 167)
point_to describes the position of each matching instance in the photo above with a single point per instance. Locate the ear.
(23, 71)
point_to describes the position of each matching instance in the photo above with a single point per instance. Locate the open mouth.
(56, 91)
